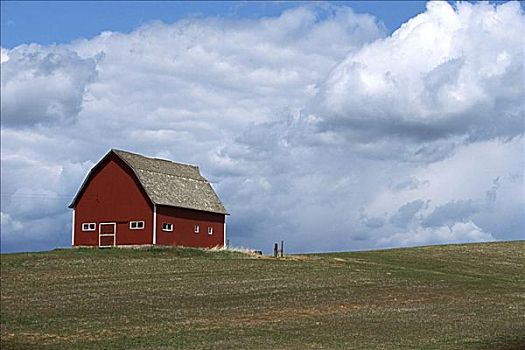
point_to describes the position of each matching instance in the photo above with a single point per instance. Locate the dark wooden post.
(282, 249)
(275, 250)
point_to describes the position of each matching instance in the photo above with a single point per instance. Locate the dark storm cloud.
(407, 212)
(449, 213)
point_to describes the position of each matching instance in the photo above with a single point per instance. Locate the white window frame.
(196, 228)
(136, 223)
(210, 230)
(167, 226)
(89, 226)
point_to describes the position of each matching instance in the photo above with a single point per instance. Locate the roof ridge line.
(154, 158)
(182, 177)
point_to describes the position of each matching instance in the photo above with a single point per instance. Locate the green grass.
(441, 297)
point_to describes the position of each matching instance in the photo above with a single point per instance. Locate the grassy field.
(441, 297)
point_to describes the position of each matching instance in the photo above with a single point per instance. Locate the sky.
(51, 22)
(331, 126)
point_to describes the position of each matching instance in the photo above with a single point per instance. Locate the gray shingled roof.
(173, 184)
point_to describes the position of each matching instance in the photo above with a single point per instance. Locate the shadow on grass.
(506, 342)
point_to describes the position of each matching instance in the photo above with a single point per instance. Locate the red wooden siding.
(113, 194)
(183, 221)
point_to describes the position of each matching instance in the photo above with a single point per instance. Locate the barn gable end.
(111, 194)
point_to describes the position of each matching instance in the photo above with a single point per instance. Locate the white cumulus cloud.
(43, 85)
(447, 76)
(457, 233)
(313, 126)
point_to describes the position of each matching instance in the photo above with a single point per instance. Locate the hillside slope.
(441, 297)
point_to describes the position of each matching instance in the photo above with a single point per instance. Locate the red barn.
(129, 199)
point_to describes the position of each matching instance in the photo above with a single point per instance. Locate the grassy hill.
(441, 297)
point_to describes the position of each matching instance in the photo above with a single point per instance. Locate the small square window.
(210, 230)
(136, 225)
(91, 226)
(167, 227)
(196, 228)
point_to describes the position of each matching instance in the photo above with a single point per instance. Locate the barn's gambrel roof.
(170, 183)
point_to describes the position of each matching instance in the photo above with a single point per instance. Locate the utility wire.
(36, 195)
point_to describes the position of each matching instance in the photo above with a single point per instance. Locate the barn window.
(167, 227)
(91, 226)
(196, 228)
(210, 230)
(136, 225)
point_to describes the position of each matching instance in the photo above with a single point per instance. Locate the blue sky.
(316, 123)
(48, 22)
